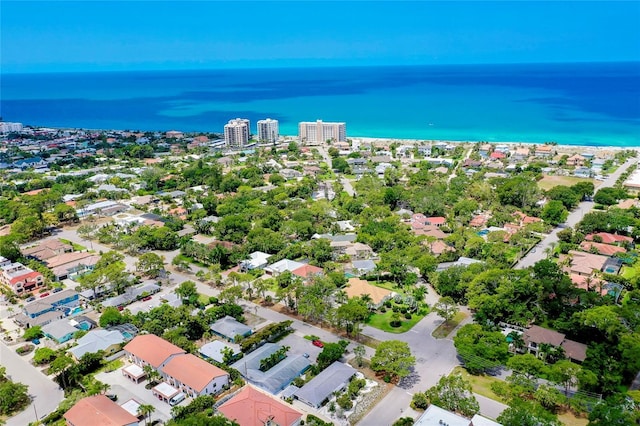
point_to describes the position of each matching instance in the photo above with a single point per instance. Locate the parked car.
(57, 289)
(120, 308)
(44, 294)
(306, 355)
(144, 299)
(31, 299)
(112, 396)
(318, 343)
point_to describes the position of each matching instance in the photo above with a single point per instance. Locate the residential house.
(608, 238)
(544, 151)
(69, 265)
(280, 266)
(50, 308)
(536, 336)
(581, 263)
(47, 249)
(28, 163)
(229, 328)
(438, 247)
(194, 376)
(108, 341)
(357, 288)
(436, 416)
(576, 160)
(289, 174)
(319, 389)
(60, 331)
(215, 350)
(520, 154)
(251, 407)
(479, 221)
(98, 410)
(308, 272)
(462, 261)
(360, 267)
(359, 251)
(257, 260)
(601, 248)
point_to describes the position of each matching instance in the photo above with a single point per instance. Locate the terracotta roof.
(251, 407)
(580, 281)
(436, 220)
(307, 271)
(608, 238)
(98, 410)
(30, 276)
(603, 249)
(439, 247)
(62, 259)
(192, 371)
(539, 335)
(431, 231)
(357, 287)
(585, 263)
(152, 349)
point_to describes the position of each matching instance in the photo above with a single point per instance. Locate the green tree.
(13, 397)
(453, 393)
(359, 351)
(480, 349)
(527, 413)
(150, 264)
(528, 365)
(145, 410)
(43, 356)
(554, 212)
(34, 332)
(394, 358)
(188, 292)
(111, 316)
(352, 314)
(331, 352)
(446, 308)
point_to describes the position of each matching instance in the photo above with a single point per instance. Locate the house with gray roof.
(215, 350)
(229, 328)
(108, 341)
(319, 389)
(60, 331)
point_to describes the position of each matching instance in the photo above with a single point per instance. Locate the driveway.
(45, 392)
(539, 252)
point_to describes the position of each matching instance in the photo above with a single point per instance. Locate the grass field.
(630, 272)
(444, 329)
(76, 246)
(381, 321)
(548, 182)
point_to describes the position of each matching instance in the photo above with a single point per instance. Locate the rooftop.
(152, 349)
(192, 371)
(250, 407)
(98, 410)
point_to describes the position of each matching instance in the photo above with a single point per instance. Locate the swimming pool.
(84, 326)
(76, 310)
(127, 335)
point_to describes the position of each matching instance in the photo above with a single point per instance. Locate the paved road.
(539, 251)
(46, 393)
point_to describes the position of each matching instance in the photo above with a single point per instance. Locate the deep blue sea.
(583, 104)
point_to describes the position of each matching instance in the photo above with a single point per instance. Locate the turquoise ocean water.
(584, 104)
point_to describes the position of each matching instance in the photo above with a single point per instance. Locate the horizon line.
(316, 66)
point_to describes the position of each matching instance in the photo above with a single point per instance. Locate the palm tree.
(146, 410)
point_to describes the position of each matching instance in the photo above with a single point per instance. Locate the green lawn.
(480, 384)
(630, 272)
(381, 322)
(444, 329)
(203, 298)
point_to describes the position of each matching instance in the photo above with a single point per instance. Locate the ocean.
(596, 104)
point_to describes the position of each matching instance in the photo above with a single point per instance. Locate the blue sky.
(95, 36)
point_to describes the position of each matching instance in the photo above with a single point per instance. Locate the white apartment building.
(236, 133)
(268, 131)
(310, 132)
(6, 127)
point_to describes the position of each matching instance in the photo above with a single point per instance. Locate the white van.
(177, 399)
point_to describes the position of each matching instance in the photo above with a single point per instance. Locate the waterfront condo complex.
(313, 132)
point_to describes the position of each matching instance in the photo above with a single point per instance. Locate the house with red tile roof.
(98, 410)
(479, 221)
(608, 238)
(194, 376)
(307, 272)
(149, 349)
(19, 278)
(496, 155)
(251, 407)
(601, 248)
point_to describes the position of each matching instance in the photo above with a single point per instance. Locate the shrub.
(24, 349)
(407, 315)
(344, 401)
(383, 310)
(355, 386)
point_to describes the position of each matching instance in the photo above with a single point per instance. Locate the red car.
(144, 299)
(120, 308)
(318, 343)
(44, 294)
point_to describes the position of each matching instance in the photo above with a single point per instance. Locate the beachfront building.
(315, 132)
(268, 131)
(236, 133)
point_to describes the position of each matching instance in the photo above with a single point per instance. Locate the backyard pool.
(483, 232)
(76, 310)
